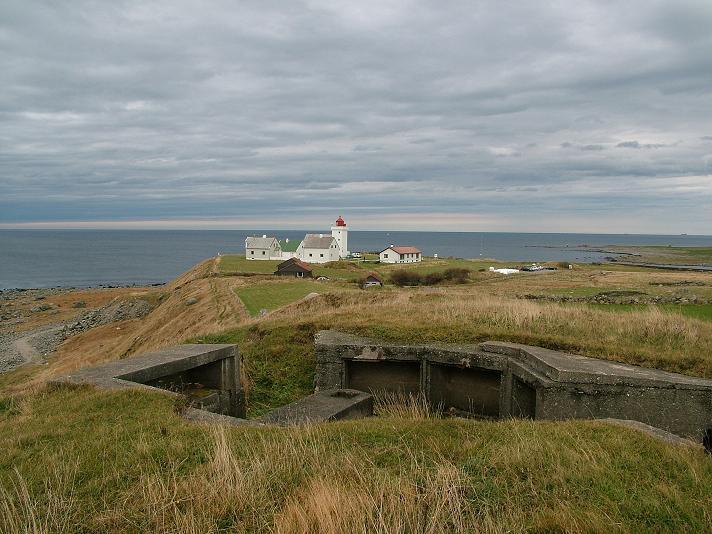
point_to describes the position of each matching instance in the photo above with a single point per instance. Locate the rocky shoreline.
(621, 297)
(33, 322)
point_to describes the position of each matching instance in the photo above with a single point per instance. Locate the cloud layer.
(400, 115)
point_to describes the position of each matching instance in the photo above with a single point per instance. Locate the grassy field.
(142, 468)
(82, 460)
(233, 264)
(271, 295)
(350, 270)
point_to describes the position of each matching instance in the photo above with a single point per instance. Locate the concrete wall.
(208, 374)
(510, 380)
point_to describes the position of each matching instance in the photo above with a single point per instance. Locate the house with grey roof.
(314, 248)
(263, 248)
(319, 248)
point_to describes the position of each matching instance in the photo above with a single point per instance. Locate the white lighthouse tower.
(340, 232)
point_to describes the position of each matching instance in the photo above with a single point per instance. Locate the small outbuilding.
(294, 267)
(372, 280)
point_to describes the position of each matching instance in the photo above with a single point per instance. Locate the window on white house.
(263, 252)
(321, 255)
(252, 252)
(385, 255)
(310, 254)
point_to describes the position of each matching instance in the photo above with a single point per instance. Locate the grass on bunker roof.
(81, 459)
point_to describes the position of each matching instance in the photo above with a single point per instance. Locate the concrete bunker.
(497, 379)
(208, 376)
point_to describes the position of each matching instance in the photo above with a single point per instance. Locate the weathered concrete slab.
(511, 380)
(656, 433)
(562, 366)
(213, 366)
(323, 406)
(202, 416)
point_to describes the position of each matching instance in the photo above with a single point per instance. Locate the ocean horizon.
(31, 258)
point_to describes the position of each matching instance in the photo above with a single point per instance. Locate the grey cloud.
(134, 109)
(636, 144)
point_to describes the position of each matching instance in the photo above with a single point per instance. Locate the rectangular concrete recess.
(468, 391)
(383, 376)
(207, 375)
(531, 382)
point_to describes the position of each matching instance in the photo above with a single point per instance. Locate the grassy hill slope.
(81, 460)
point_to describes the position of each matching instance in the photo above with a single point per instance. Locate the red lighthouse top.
(340, 221)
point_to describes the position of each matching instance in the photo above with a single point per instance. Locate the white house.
(314, 248)
(262, 248)
(318, 248)
(395, 254)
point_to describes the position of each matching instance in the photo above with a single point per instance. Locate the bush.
(405, 278)
(458, 275)
(432, 279)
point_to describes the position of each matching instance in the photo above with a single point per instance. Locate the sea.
(91, 258)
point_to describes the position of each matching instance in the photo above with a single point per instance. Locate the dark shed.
(294, 267)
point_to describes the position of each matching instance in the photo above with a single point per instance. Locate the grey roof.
(260, 242)
(314, 241)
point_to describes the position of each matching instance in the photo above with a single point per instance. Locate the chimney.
(392, 245)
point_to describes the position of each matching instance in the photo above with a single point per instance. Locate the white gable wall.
(319, 255)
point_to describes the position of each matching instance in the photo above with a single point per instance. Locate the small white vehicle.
(355, 254)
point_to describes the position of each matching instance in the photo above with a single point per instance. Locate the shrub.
(458, 275)
(403, 277)
(432, 279)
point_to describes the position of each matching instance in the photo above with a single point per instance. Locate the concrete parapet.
(208, 374)
(497, 379)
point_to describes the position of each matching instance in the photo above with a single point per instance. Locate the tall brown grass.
(649, 337)
(20, 511)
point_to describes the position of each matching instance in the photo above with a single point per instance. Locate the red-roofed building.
(400, 254)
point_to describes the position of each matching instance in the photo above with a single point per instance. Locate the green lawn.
(239, 264)
(273, 294)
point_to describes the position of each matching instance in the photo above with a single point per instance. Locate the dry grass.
(649, 337)
(400, 405)
(21, 512)
(402, 472)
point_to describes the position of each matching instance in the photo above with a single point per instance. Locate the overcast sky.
(496, 116)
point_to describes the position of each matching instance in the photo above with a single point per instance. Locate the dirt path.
(32, 346)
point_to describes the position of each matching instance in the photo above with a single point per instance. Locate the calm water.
(82, 258)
